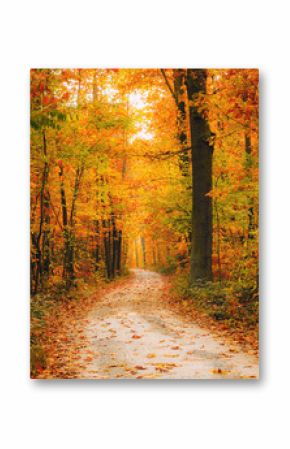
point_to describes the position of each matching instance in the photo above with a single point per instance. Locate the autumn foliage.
(111, 175)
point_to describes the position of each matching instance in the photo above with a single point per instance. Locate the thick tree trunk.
(201, 155)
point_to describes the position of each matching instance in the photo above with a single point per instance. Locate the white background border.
(153, 414)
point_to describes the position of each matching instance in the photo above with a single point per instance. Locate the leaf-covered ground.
(128, 331)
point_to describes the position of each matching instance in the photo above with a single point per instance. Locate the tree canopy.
(111, 184)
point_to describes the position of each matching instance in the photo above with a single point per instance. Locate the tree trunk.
(201, 155)
(114, 247)
(36, 239)
(46, 239)
(124, 251)
(136, 254)
(218, 237)
(68, 266)
(107, 247)
(68, 226)
(154, 254)
(248, 148)
(79, 174)
(97, 247)
(180, 93)
(119, 254)
(159, 261)
(143, 251)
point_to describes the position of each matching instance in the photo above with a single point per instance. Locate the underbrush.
(235, 304)
(169, 267)
(39, 310)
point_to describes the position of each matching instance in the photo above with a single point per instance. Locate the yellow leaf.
(151, 356)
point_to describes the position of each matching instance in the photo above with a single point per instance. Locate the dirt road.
(130, 333)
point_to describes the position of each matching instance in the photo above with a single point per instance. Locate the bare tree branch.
(169, 86)
(163, 155)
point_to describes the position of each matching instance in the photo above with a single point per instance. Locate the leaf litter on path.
(115, 337)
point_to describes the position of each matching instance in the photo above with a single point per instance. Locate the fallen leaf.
(217, 371)
(161, 370)
(220, 371)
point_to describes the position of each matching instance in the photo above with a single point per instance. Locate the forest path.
(130, 333)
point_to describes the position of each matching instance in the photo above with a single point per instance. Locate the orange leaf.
(151, 356)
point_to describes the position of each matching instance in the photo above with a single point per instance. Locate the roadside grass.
(231, 305)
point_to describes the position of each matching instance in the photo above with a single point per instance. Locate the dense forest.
(154, 169)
